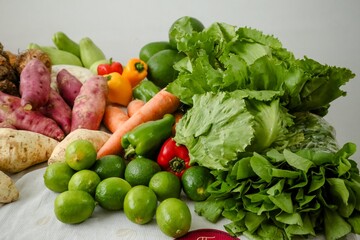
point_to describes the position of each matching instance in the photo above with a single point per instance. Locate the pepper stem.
(177, 164)
(129, 152)
(139, 67)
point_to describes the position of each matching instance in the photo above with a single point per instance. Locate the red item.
(110, 67)
(207, 234)
(173, 158)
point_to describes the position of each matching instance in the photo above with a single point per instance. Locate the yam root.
(9, 81)
(97, 137)
(21, 149)
(35, 80)
(28, 55)
(12, 58)
(8, 191)
(89, 105)
(14, 114)
(9, 87)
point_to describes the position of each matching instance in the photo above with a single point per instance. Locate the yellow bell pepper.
(135, 71)
(120, 90)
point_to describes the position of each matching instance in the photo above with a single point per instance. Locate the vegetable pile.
(255, 118)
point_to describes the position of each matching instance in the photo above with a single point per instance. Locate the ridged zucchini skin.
(90, 52)
(63, 42)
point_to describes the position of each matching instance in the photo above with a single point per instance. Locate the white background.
(325, 30)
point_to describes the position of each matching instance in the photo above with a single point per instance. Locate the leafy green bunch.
(255, 119)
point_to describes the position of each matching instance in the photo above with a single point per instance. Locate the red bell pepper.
(173, 158)
(110, 67)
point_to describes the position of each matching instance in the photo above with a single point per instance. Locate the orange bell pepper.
(135, 71)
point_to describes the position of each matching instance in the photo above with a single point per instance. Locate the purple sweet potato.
(57, 109)
(68, 85)
(34, 87)
(89, 105)
(14, 114)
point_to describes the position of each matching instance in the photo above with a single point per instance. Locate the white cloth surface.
(32, 217)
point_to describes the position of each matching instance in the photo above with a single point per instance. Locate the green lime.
(74, 206)
(165, 185)
(110, 166)
(181, 27)
(161, 69)
(195, 180)
(80, 154)
(110, 193)
(140, 170)
(151, 48)
(140, 204)
(173, 217)
(57, 176)
(85, 180)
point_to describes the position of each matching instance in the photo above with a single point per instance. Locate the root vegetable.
(134, 106)
(21, 149)
(69, 86)
(89, 105)
(6, 124)
(14, 114)
(8, 191)
(35, 80)
(97, 137)
(6, 86)
(114, 116)
(9, 80)
(57, 109)
(12, 58)
(28, 55)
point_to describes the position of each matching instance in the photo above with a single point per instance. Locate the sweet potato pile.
(28, 101)
(34, 112)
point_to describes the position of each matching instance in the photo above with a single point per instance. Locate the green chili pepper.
(147, 137)
(145, 90)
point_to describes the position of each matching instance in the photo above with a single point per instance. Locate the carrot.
(113, 117)
(159, 105)
(134, 106)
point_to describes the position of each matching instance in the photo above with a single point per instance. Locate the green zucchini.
(90, 52)
(57, 56)
(63, 42)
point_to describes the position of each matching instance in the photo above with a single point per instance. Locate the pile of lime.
(138, 188)
(83, 182)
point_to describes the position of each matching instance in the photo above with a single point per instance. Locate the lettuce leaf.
(221, 126)
(225, 58)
